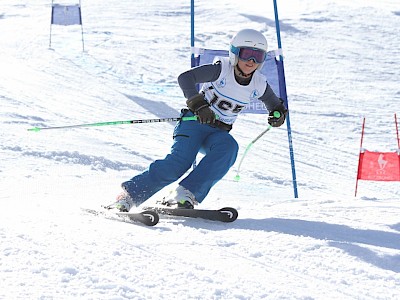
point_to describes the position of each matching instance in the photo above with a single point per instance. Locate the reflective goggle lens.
(246, 54)
(249, 53)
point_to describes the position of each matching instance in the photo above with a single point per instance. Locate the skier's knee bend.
(232, 149)
(175, 165)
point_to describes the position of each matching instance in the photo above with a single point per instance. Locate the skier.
(228, 85)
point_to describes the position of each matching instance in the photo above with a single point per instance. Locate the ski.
(146, 217)
(226, 214)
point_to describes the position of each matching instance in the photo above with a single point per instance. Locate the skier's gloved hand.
(277, 116)
(205, 115)
(201, 108)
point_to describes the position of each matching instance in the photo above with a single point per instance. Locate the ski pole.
(237, 177)
(36, 129)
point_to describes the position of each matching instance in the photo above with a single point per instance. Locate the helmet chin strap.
(241, 73)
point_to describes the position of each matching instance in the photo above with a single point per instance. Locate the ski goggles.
(248, 53)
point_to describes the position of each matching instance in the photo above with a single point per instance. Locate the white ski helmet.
(247, 38)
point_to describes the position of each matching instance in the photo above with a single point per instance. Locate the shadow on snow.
(343, 237)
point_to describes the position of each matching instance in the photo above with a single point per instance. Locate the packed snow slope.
(342, 64)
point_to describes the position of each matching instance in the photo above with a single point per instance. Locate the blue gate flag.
(280, 83)
(66, 15)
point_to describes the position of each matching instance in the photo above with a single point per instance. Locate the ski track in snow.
(341, 64)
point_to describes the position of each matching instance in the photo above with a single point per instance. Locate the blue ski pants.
(190, 138)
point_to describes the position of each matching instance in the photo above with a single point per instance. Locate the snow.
(341, 63)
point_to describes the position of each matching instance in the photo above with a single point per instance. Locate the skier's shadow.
(344, 237)
(395, 226)
(159, 108)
